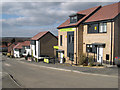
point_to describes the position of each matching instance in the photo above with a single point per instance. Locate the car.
(117, 61)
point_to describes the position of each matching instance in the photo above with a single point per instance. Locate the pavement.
(41, 75)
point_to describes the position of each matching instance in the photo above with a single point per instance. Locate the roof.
(86, 12)
(9, 43)
(26, 43)
(10, 48)
(18, 46)
(3, 45)
(39, 35)
(105, 13)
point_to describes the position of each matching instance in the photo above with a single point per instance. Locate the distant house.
(42, 44)
(17, 50)
(3, 48)
(26, 48)
(10, 48)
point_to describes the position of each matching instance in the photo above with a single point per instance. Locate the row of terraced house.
(91, 32)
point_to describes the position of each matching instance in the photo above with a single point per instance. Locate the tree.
(13, 40)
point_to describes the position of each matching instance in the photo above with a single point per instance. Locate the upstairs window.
(103, 27)
(73, 19)
(97, 28)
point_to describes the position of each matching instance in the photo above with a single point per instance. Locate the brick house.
(101, 35)
(42, 44)
(70, 36)
(73, 37)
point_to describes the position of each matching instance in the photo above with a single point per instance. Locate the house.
(26, 48)
(70, 36)
(42, 44)
(101, 35)
(3, 48)
(10, 49)
(93, 32)
(17, 50)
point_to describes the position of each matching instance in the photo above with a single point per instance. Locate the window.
(25, 51)
(71, 39)
(73, 19)
(35, 48)
(27, 47)
(107, 56)
(20, 50)
(103, 27)
(60, 40)
(89, 48)
(97, 28)
(93, 28)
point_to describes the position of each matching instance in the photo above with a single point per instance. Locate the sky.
(25, 19)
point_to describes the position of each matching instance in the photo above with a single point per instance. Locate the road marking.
(94, 74)
(75, 71)
(7, 64)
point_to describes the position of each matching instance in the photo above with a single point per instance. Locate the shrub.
(91, 60)
(82, 59)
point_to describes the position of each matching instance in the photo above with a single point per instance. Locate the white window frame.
(102, 27)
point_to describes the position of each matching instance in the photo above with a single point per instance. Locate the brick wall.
(46, 45)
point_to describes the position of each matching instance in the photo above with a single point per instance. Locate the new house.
(42, 45)
(101, 34)
(70, 36)
(93, 32)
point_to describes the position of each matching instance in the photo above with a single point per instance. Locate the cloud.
(39, 14)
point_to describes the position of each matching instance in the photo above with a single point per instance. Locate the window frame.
(104, 31)
(90, 48)
(73, 19)
(61, 40)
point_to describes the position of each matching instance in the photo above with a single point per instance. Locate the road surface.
(33, 76)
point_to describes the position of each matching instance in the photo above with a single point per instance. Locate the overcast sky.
(25, 19)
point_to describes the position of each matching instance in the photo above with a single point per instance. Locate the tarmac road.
(33, 76)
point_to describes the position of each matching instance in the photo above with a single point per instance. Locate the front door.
(100, 54)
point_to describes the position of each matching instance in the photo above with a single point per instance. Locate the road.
(34, 76)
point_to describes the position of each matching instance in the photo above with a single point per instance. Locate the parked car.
(117, 61)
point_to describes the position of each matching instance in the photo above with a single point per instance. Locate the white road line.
(94, 74)
(75, 71)
(7, 64)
